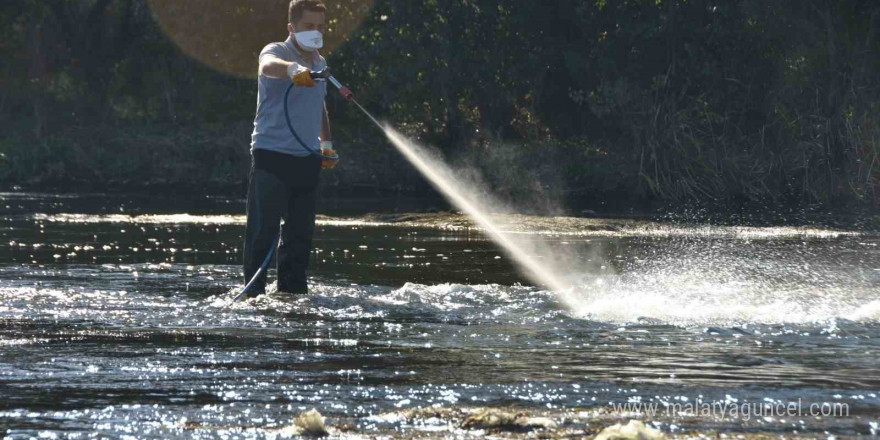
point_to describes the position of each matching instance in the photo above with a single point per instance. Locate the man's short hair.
(297, 7)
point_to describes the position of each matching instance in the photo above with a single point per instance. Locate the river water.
(116, 322)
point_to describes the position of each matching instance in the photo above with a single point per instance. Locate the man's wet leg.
(266, 199)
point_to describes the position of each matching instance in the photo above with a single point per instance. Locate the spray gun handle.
(321, 74)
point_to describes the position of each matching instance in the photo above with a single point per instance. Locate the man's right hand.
(300, 75)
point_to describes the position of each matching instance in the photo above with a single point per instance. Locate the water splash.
(534, 257)
(683, 296)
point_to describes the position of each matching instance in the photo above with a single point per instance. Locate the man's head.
(305, 15)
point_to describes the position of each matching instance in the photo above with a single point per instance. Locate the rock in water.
(489, 419)
(494, 419)
(634, 430)
(310, 423)
(530, 423)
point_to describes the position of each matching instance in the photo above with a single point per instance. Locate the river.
(116, 321)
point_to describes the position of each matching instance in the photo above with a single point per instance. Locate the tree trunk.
(37, 73)
(38, 117)
(168, 93)
(6, 89)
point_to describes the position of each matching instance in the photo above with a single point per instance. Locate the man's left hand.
(327, 150)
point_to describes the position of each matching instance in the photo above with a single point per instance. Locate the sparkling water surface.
(116, 320)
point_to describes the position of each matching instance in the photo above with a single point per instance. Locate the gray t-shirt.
(305, 104)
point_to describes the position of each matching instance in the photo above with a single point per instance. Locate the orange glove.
(301, 76)
(327, 150)
(328, 164)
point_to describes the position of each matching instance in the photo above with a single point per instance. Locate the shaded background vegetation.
(628, 102)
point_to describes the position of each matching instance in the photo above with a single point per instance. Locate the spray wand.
(325, 75)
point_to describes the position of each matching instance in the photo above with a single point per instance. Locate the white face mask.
(310, 40)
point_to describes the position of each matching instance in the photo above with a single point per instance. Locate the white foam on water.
(684, 300)
(866, 312)
(616, 300)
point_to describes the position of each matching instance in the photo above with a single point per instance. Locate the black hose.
(295, 135)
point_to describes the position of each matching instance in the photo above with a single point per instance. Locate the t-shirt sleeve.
(275, 49)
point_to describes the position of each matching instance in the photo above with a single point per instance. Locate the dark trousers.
(281, 186)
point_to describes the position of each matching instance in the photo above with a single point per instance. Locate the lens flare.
(227, 35)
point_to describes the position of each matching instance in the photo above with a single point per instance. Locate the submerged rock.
(310, 423)
(494, 419)
(647, 320)
(537, 423)
(634, 430)
(488, 419)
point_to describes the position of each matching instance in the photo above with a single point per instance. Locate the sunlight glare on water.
(116, 318)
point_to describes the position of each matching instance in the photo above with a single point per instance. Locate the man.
(284, 174)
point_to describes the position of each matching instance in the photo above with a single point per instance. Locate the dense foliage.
(679, 101)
